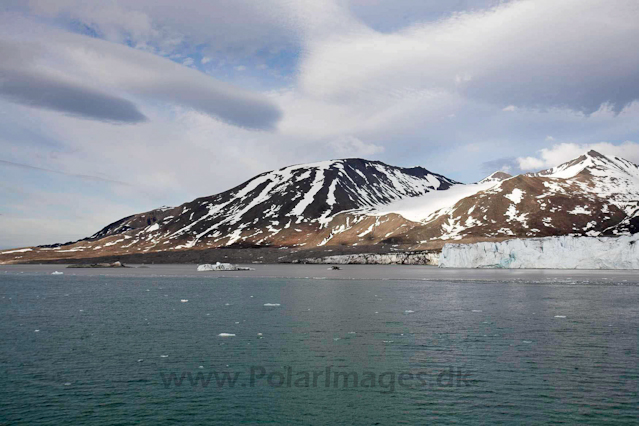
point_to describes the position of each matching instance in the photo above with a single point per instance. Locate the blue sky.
(108, 108)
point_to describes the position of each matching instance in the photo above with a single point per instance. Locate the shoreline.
(319, 273)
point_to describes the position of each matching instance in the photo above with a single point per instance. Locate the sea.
(302, 344)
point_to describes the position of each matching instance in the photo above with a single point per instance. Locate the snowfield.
(565, 252)
(424, 207)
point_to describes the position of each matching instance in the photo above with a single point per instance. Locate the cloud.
(41, 91)
(506, 164)
(237, 29)
(407, 81)
(561, 153)
(80, 176)
(352, 146)
(391, 15)
(527, 54)
(74, 71)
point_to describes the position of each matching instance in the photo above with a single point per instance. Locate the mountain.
(355, 204)
(496, 177)
(292, 206)
(593, 195)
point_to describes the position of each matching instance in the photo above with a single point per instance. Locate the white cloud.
(561, 153)
(347, 146)
(531, 163)
(412, 91)
(74, 61)
(243, 27)
(532, 54)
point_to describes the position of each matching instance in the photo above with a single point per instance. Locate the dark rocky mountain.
(283, 207)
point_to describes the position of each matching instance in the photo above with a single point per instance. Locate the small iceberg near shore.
(222, 267)
(57, 273)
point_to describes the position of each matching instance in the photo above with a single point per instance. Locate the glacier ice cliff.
(564, 252)
(419, 258)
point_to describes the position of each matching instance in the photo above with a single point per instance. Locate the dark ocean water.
(506, 347)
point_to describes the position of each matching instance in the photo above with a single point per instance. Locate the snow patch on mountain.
(425, 207)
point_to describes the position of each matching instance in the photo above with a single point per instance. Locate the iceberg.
(563, 252)
(222, 267)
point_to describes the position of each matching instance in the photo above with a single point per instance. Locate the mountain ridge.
(356, 202)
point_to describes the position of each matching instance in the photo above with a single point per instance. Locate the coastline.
(320, 272)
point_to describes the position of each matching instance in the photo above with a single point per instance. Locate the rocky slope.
(354, 203)
(593, 195)
(297, 206)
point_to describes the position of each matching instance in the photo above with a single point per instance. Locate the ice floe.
(222, 267)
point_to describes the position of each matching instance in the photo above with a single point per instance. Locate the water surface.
(470, 346)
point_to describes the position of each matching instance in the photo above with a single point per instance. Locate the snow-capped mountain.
(283, 207)
(593, 195)
(355, 203)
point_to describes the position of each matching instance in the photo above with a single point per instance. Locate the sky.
(110, 108)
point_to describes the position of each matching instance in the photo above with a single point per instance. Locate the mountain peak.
(594, 154)
(497, 176)
(595, 163)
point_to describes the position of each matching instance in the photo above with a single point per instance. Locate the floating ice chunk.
(57, 273)
(226, 335)
(140, 360)
(259, 334)
(526, 341)
(271, 304)
(220, 267)
(184, 300)
(560, 316)
(37, 331)
(477, 310)
(336, 338)
(408, 311)
(201, 366)
(67, 384)
(164, 356)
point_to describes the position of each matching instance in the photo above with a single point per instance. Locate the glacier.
(562, 252)
(406, 258)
